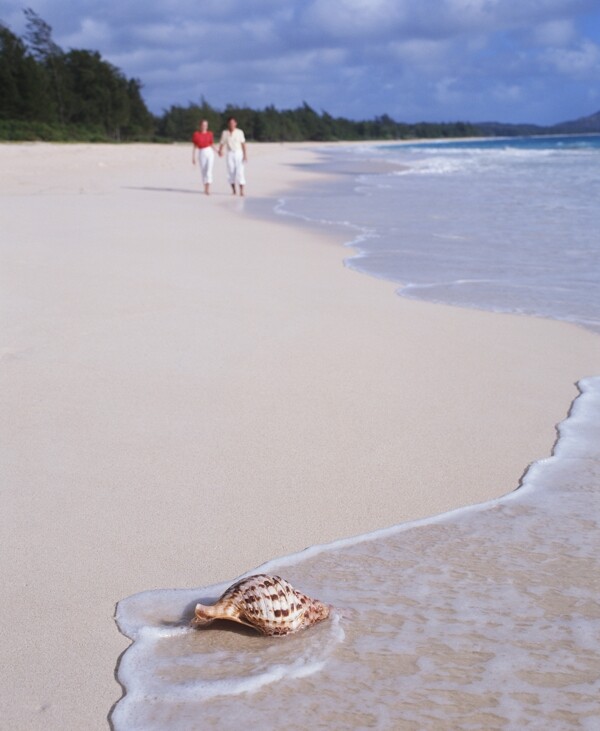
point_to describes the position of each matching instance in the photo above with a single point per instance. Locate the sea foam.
(485, 617)
(503, 225)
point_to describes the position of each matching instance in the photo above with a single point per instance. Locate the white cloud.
(149, 64)
(157, 33)
(297, 63)
(582, 61)
(424, 54)
(91, 34)
(260, 30)
(555, 33)
(508, 93)
(424, 59)
(354, 18)
(447, 92)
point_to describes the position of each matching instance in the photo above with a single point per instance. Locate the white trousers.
(235, 167)
(206, 159)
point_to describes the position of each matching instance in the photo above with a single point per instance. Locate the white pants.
(235, 167)
(206, 159)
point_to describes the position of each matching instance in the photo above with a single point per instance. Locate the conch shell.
(268, 604)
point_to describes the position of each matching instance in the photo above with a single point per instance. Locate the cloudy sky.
(477, 60)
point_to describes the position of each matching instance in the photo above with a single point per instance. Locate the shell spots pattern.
(269, 604)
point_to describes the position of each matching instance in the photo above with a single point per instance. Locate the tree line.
(300, 124)
(47, 93)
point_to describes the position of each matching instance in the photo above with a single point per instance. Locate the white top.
(233, 140)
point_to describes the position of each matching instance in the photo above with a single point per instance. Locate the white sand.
(188, 391)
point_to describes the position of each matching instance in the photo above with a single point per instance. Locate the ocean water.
(484, 618)
(505, 225)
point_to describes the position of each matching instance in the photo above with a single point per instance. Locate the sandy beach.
(189, 391)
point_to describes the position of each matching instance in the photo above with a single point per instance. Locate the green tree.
(141, 123)
(23, 82)
(38, 36)
(98, 93)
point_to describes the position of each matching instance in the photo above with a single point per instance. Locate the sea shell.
(268, 604)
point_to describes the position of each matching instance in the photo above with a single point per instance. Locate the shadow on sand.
(163, 190)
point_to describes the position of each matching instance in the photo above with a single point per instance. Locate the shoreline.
(193, 392)
(410, 595)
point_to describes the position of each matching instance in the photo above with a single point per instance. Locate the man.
(234, 141)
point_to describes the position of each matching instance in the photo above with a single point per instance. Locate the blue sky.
(477, 60)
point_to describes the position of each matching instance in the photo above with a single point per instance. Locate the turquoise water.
(552, 142)
(509, 225)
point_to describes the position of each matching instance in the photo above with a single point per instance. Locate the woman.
(203, 141)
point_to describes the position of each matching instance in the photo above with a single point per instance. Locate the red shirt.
(203, 139)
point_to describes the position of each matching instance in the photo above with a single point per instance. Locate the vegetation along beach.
(376, 375)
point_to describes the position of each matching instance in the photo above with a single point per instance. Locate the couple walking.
(234, 142)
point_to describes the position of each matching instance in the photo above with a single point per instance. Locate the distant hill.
(583, 125)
